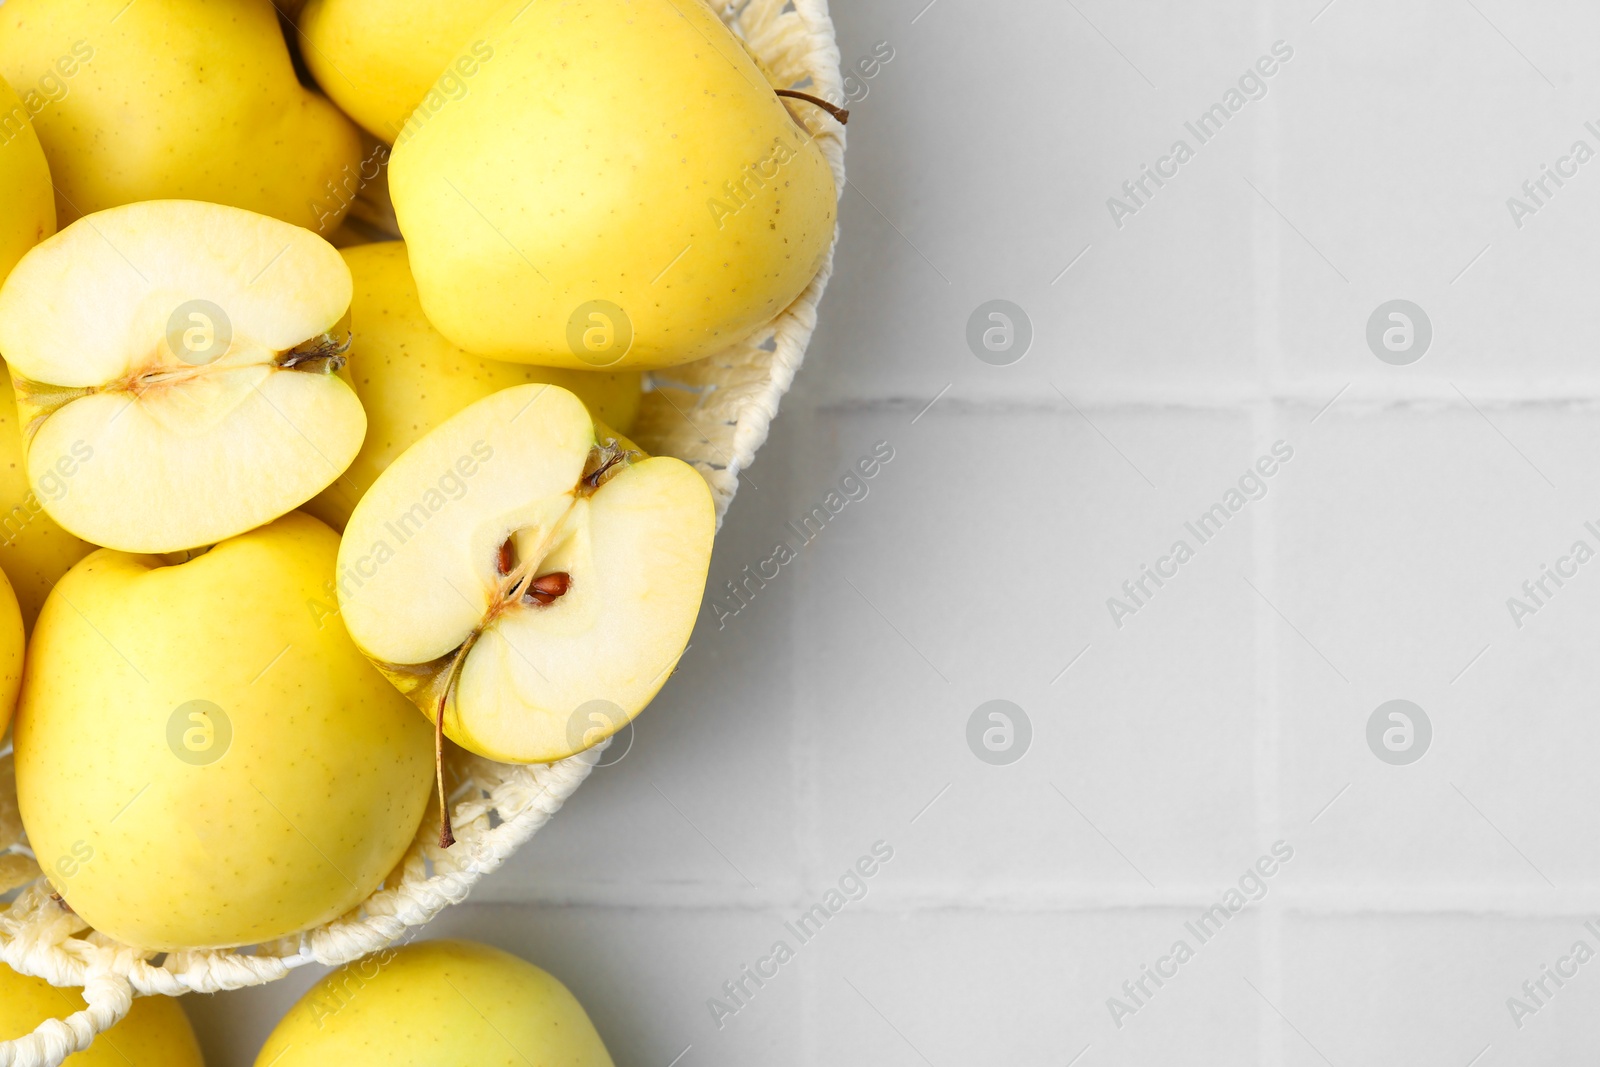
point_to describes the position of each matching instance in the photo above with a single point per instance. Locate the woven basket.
(713, 414)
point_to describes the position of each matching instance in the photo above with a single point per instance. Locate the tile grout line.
(806, 763)
(1366, 395)
(1265, 418)
(1338, 901)
(813, 856)
(1269, 743)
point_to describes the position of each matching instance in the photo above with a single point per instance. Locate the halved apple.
(175, 372)
(522, 565)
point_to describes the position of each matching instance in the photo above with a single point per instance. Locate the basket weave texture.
(713, 414)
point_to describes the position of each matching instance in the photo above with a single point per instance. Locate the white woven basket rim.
(714, 414)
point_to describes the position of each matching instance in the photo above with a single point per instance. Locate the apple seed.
(548, 589)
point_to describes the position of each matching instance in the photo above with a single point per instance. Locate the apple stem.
(842, 115)
(446, 836)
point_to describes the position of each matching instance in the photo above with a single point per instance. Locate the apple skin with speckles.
(437, 1004)
(177, 99)
(204, 759)
(30, 214)
(619, 186)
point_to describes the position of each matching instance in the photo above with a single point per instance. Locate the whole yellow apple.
(30, 206)
(203, 757)
(177, 99)
(34, 550)
(377, 59)
(619, 186)
(410, 378)
(156, 1033)
(437, 1004)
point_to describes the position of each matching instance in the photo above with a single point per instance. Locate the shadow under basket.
(713, 414)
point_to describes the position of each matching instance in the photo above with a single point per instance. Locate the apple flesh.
(173, 363)
(521, 563)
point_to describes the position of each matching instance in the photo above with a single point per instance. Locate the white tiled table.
(1230, 712)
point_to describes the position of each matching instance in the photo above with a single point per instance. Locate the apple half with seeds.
(521, 565)
(175, 368)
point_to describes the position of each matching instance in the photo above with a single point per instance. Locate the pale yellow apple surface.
(163, 99)
(437, 1004)
(410, 379)
(29, 206)
(531, 572)
(203, 757)
(12, 646)
(620, 187)
(34, 550)
(378, 59)
(175, 370)
(156, 1033)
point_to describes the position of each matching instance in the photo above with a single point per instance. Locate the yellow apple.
(30, 206)
(12, 646)
(437, 1004)
(177, 99)
(156, 1032)
(618, 186)
(203, 757)
(410, 379)
(377, 59)
(34, 550)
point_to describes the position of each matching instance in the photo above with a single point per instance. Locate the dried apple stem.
(446, 836)
(841, 115)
